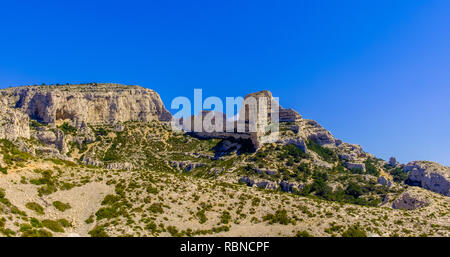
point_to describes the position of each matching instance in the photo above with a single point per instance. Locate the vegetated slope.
(71, 169)
(150, 181)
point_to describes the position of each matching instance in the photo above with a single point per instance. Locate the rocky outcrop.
(284, 115)
(384, 181)
(355, 166)
(410, 200)
(91, 103)
(55, 138)
(225, 147)
(313, 131)
(266, 171)
(46, 137)
(120, 166)
(91, 161)
(290, 187)
(266, 185)
(351, 152)
(289, 115)
(294, 140)
(429, 175)
(284, 186)
(186, 165)
(393, 162)
(61, 142)
(248, 181)
(13, 123)
(251, 124)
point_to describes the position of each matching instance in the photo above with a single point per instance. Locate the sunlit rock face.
(13, 123)
(90, 103)
(429, 175)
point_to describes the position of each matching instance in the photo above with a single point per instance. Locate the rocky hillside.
(102, 160)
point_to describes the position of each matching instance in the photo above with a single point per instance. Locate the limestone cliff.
(88, 103)
(429, 175)
(13, 123)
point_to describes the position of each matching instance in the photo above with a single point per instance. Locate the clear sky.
(375, 73)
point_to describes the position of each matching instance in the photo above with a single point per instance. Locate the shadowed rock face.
(92, 103)
(429, 175)
(410, 200)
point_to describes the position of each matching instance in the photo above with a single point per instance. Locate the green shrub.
(295, 152)
(326, 154)
(37, 233)
(225, 217)
(36, 124)
(35, 223)
(60, 206)
(35, 207)
(201, 214)
(354, 190)
(107, 213)
(156, 208)
(12, 154)
(151, 226)
(67, 129)
(152, 190)
(371, 168)
(53, 225)
(354, 231)
(173, 231)
(110, 199)
(303, 233)
(89, 220)
(280, 216)
(98, 231)
(399, 175)
(64, 223)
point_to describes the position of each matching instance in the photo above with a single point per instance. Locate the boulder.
(410, 200)
(46, 137)
(355, 166)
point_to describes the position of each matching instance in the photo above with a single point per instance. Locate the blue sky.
(375, 73)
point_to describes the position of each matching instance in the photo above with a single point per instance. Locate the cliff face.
(13, 123)
(91, 103)
(429, 175)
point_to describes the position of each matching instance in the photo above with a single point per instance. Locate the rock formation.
(410, 200)
(429, 175)
(13, 123)
(91, 103)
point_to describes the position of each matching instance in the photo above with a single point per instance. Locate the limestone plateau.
(102, 160)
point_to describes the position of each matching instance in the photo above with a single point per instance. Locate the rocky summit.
(103, 160)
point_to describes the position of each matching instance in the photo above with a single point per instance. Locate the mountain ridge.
(305, 161)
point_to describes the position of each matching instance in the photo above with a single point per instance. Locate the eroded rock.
(13, 123)
(429, 175)
(410, 200)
